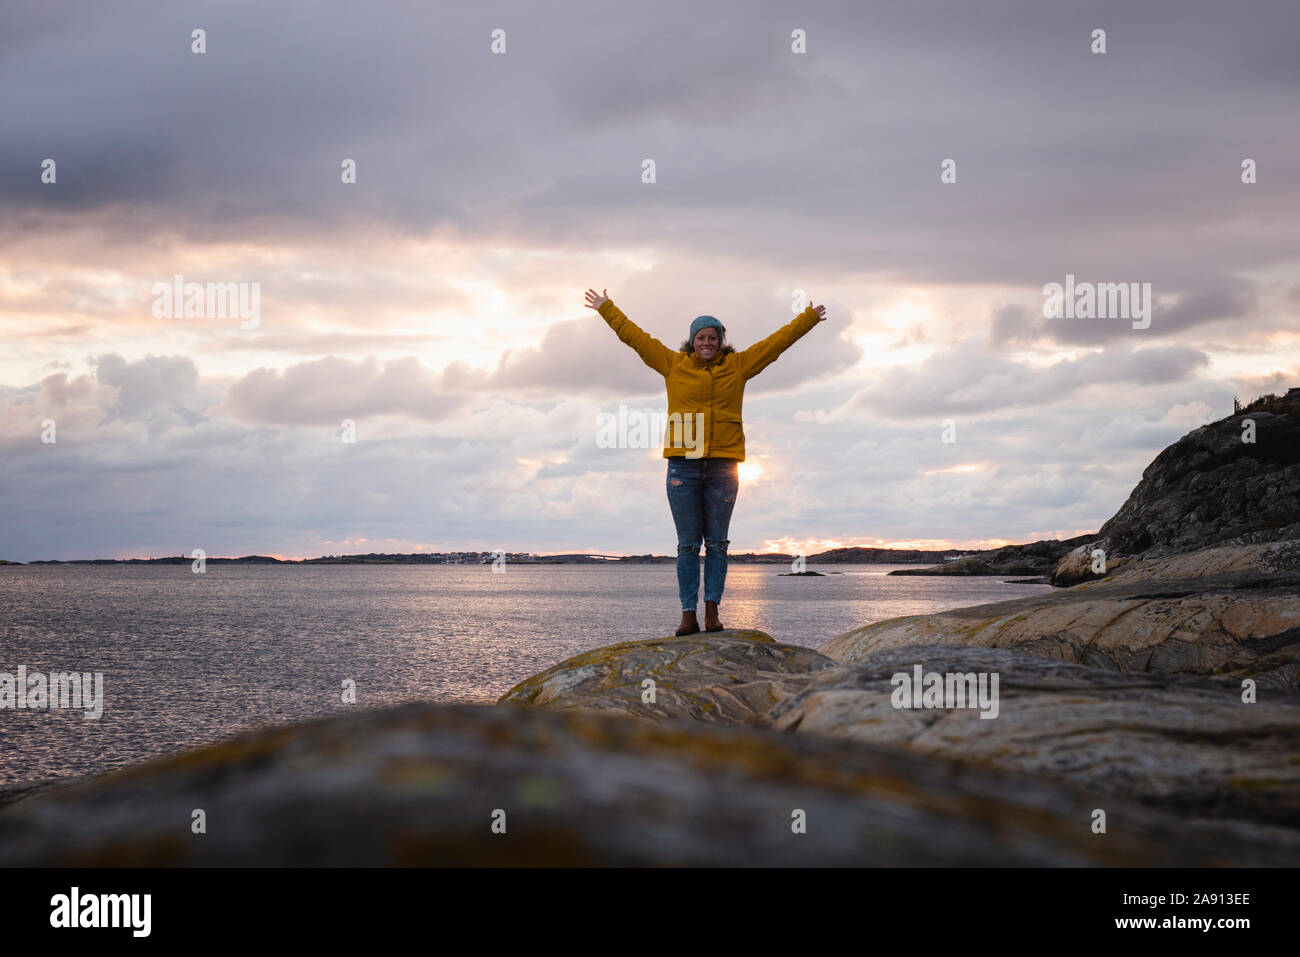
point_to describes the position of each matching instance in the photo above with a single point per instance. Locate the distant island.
(845, 556)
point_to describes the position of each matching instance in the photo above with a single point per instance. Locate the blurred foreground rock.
(419, 784)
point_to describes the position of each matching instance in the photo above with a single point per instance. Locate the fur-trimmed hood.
(722, 350)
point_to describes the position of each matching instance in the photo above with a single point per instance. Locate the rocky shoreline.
(1038, 559)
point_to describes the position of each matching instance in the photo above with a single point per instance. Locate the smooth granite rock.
(419, 784)
(1229, 613)
(731, 676)
(1081, 564)
(1184, 745)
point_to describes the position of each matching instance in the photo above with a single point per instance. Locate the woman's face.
(706, 343)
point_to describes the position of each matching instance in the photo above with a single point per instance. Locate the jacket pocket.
(728, 433)
(687, 432)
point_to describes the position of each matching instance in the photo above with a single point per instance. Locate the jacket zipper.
(709, 448)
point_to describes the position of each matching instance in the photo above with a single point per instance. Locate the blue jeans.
(701, 493)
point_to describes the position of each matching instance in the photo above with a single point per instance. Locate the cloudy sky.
(437, 302)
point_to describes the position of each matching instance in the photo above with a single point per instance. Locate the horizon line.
(895, 546)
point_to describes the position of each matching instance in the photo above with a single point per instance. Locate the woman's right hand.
(595, 299)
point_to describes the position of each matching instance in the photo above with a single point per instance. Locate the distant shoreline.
(844, 556)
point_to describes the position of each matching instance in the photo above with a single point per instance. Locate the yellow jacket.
(704, 398)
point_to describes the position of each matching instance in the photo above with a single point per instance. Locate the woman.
(705, 440)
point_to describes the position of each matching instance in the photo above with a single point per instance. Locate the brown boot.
(711, 622)
(690, 625)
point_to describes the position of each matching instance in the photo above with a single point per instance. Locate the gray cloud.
(147, 384)
(966, 381)
(1212, 299)
(326, 391)
(1011, 324)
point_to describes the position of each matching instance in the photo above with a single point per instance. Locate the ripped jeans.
(701, 493)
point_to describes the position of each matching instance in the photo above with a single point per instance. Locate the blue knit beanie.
(702, 321)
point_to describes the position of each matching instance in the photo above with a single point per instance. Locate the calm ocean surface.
(189, 659)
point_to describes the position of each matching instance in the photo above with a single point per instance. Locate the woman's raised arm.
(764, 352)
(652, 352)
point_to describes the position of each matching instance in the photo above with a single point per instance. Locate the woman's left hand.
(820, 310)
